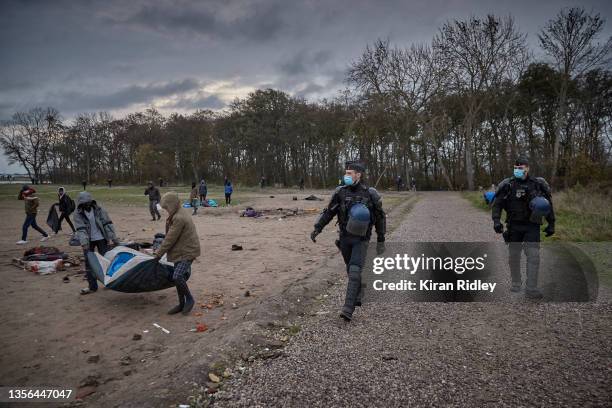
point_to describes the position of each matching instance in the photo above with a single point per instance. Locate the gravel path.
(438, 354)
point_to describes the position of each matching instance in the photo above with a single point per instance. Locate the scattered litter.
(161, 328)
(313, 198)
(247, 293)
(66, 279)
(236, 247)
(137, 336)
(250, 212)
(271, 196)
(214, 377)
(45, 267)
(93, 358)
(145, 331)
(201, 327)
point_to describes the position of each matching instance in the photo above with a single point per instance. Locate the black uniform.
(352, 247)
(514, 195)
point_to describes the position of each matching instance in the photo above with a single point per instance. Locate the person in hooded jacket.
(65, 206)
(181, 246)
(94, 229)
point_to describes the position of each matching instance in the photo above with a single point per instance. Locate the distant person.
(28, 194)
(84, 183)
(161, 182)
(94, 229)
(110, 183)
(262, 182)
(154, 199)
(301, 183)
(413, 184)
(181, 246)
(228, 192)
(202, 191)
(66, 206)
(193, 198)
(399, 182)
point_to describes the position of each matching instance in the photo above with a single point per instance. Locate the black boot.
(189, 302)
(181, 304)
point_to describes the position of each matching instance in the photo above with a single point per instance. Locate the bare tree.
(570, 41)
(26, 139)
(479, 54)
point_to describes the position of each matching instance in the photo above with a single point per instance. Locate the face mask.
(348, 180)
(519, 173)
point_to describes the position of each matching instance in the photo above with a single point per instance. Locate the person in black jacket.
(516, 195)
(65, 205)
(154, 199)
(347, 200)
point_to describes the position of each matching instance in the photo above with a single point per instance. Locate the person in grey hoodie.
(94, 229)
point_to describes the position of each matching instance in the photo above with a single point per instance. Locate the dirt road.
(517, 353)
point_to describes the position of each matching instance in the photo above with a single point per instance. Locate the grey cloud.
(305, 61)
(259, 22)
(204, 102)
(78, 101)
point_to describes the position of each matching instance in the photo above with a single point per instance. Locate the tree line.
(451, 114)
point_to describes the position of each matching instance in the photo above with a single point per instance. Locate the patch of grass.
(118, 194)
(583, 214)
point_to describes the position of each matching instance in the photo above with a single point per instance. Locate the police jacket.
(341, 202)
(514, 195)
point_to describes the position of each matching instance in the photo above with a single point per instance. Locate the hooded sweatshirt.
(181, 242)
(92, 225)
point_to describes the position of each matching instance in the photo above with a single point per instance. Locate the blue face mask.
(519, 173)
(348, 180)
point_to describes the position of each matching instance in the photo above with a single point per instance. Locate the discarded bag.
(250, 212)
(53, 220)
(313, 198)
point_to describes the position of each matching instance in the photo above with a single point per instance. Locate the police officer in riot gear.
(358, 208)
(517, 195)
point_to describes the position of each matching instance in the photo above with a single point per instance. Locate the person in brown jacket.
(28, 194)
(181, 246)
(193, 198)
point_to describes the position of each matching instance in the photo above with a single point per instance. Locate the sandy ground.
(51, 335)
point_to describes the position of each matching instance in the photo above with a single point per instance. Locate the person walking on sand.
(181, 246)
(154, 199)
(28, 195)
(228, 189)
(202, 192)
(66, 206)
(193, 198)
(84, 183)
(94, 229)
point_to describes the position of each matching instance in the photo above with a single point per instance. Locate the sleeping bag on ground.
(126, 270)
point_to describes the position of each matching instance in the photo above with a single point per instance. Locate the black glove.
(549, 230)
(498, 227)
(314, 234)
(380, 247)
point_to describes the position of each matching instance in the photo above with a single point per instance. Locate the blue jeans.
(30, 221)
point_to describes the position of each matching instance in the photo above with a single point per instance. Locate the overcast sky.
(125, 56)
